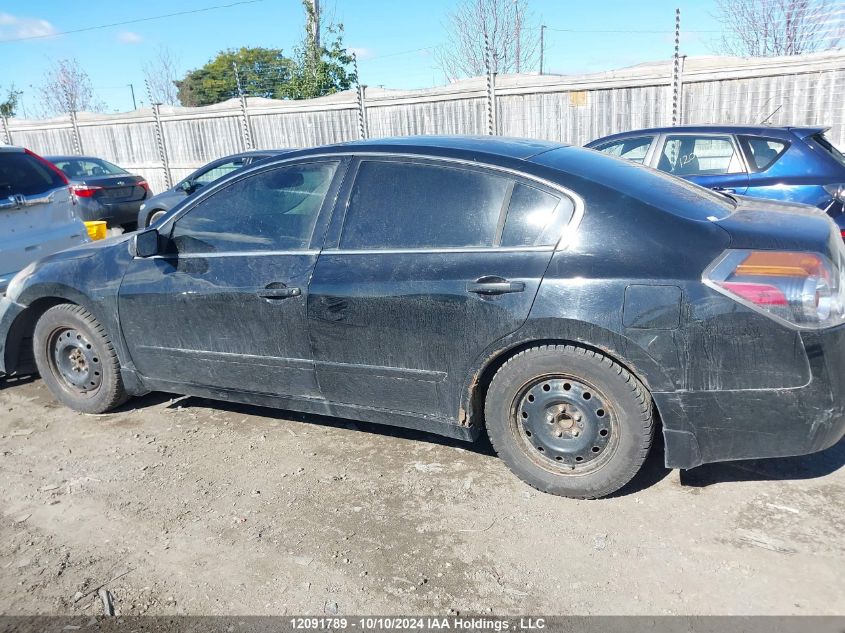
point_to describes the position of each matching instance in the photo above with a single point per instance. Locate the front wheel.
(155, 216)
(569, 421)
(77, 361)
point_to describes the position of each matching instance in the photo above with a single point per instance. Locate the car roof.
(758, 130)
(452, 146)
(73, 157)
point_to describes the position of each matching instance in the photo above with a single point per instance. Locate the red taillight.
(801, 288)
(144, 184)
(84, 191)
(842, 233)
(758, 294)
(48, 164)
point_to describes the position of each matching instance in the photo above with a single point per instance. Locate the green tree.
(9, 105)
(264, 72)
(319, 69)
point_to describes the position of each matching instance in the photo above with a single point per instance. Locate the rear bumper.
(113, 213)
(714, 426)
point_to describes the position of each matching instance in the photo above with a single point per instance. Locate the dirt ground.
(183, 505)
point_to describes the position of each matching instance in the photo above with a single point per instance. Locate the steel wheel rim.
(74, 361)
(564, 424)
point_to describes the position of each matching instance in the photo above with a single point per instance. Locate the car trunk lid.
(109, 189)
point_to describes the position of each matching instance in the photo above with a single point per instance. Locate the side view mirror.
(188, 187)
(145, 243)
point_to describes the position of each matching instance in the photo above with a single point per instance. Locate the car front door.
(224, 304)
(710, 160)
(432, 263)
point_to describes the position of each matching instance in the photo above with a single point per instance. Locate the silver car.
(37, 215)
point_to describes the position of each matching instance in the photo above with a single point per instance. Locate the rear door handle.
(724, 189)
(497, 287)
(278, 293)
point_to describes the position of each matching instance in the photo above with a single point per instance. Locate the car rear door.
(432, 262)
(224, 305)
(710, 160)
(36, 212)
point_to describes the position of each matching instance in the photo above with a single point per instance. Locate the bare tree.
(510, 29)
(763, 28)
(161, 73)
(67, 87)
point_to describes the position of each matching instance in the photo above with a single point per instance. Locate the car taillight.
(802, 289)
(84, 191)
(144, 184)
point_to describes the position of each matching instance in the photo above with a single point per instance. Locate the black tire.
(77, 361)
(569, 421)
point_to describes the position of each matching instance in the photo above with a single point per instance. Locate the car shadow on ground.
(653, 471)
(801, 467)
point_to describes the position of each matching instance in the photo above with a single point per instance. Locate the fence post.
(676, 71)
(363, 127)
(491, 88)
(7, 133)
(246, 128)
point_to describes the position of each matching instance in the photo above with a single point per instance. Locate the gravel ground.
(186, 506)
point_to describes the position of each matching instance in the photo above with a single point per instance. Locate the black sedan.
(103, 191)
(561, 300)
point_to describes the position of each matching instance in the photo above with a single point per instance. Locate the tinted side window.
(703, 155)
(633, 149)
(419, 205)
(535, 217)
(23, 174)
(272, 210)
(762, 152)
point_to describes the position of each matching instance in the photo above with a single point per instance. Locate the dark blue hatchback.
(795, 164)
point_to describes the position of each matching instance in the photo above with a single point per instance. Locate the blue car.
(794, 164)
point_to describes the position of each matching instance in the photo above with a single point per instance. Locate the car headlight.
(143, 205)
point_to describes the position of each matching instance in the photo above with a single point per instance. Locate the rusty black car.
(569, 304)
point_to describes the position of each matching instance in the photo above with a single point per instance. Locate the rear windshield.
(648, 185)
(828, 147)
(87, 167)
(23, 174)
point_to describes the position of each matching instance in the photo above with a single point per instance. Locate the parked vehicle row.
(557, 298)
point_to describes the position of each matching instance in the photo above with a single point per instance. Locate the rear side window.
(686, 155)
(535, 217)
(633, 149)
(23, 174)
(822, 141)
(762, 152)
(418, 205)
(269, 211)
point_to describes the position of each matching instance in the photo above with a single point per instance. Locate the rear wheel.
(77, 361)
(569, 421)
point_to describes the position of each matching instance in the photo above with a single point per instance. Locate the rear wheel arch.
(475, 391)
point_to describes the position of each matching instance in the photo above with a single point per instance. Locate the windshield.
(828, 147)
(76, 168)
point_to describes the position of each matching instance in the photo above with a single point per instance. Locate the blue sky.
(394, 40)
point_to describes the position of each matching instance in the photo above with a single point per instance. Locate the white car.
(37, 215)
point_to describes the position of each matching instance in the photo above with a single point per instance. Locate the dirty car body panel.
(358, 304)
